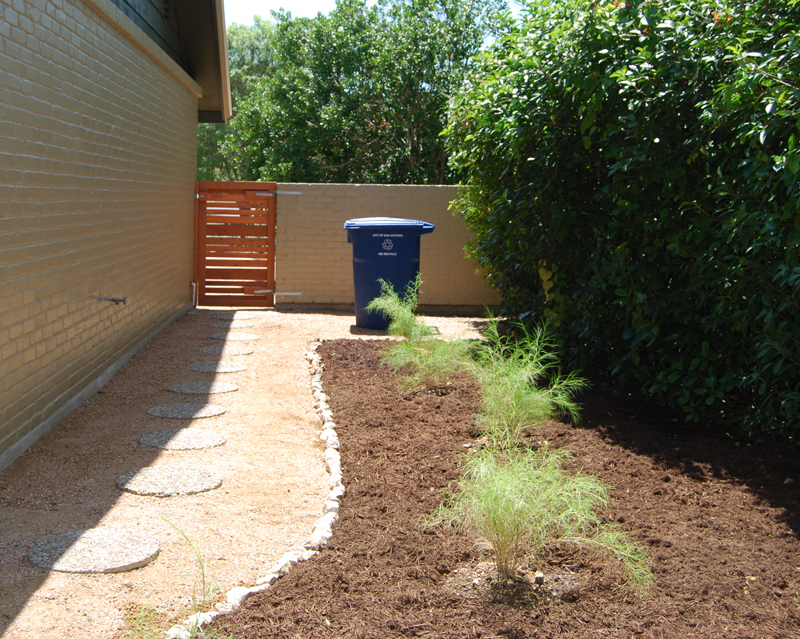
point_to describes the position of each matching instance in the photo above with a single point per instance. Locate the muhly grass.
(430, 362)
(400, 310)
(518, 502)
(521, 384)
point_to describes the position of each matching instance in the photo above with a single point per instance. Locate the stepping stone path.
(182, 439)
(235, 337)
(168, 481)
(203, 388)
(232, 324)
(95, 550)
(216, 367)
(186, 411)
(227, 349)
(105, 549)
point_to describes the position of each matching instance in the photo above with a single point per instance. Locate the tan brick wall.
(97, 163)
(314, 258)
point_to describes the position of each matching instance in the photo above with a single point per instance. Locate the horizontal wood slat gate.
(235, 243)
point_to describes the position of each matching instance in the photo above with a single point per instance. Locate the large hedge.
(632, 174)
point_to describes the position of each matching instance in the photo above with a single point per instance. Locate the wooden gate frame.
(248, 247)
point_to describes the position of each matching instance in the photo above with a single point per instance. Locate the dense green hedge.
(632, 173)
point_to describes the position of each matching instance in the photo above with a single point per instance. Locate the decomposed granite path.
(173, 457)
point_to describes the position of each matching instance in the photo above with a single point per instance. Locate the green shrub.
(631, 173)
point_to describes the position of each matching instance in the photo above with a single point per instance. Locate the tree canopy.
(360, 95)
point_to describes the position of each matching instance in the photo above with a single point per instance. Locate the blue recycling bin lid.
(384, 222)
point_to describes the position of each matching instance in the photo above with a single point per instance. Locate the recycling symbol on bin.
(387, 245)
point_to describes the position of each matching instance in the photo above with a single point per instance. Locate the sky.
(242, 11)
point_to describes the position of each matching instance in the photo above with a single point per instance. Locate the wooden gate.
(235, 243)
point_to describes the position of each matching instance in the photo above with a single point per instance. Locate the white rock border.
(321, 533)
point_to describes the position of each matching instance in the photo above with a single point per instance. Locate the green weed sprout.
(207, 589)
(400, 310)
(146, 623)
(523, 500)
(521, 384)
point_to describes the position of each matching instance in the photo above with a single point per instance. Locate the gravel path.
(272, 470)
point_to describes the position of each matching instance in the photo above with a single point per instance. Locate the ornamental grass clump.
(429, 363)
(521, 383)
(519, 502)
(399, 310)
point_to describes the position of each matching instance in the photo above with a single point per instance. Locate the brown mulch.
(717, 516)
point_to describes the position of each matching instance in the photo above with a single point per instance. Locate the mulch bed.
(717, 516)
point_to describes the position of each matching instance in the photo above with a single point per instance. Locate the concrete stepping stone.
(216, 367)
(236, 337)
(182, 439)
(186, 411)
(203, 388)
(234, 315)
(95, 550)
(168, 481)
(227, 349)
(232, 324)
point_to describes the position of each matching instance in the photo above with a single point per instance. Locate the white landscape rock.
(268, 579)
(225, 608)
(197, 620)
(256, 589)
(237, 595)
(335, 469)
(329, 518)
(335, 480)
(318, 540)
(331, 506)
(333, 461)
(290, 558)
(179, 632)
(328, 432)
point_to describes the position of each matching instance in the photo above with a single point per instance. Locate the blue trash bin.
(384, 248)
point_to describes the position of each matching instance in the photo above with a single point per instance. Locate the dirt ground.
(274, 481)
(719, 518)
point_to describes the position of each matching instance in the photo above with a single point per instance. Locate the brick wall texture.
(314, 258)
(97, 164)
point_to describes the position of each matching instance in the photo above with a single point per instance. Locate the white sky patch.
(242, 11)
